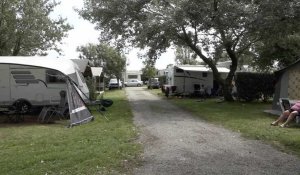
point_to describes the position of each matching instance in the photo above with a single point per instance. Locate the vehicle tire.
(23, 105)
(138, 85)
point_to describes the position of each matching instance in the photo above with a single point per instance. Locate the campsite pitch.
(98, 147)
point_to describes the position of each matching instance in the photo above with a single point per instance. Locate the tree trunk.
(230, 76)
(227, 89)
(119, 81)
(227, 83)
(17, 47)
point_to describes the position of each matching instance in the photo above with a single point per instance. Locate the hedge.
(254, 86)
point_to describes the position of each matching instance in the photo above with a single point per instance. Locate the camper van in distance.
(36, 80)
(187, 79)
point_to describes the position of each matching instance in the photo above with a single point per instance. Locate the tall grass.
(98, 147)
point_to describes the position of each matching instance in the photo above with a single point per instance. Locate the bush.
(91, 86)
(253, 86)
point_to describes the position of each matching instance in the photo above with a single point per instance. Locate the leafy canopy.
(114, 61)
(209, 28)
(27, 29)
(184, 55)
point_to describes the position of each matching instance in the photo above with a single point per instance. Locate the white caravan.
(37, 80)
(185, 78)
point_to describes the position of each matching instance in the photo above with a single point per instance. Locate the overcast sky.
(84, 33)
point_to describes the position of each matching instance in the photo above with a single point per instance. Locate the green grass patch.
(246, 118)
(99, 147)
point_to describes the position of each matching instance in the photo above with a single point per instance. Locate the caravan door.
(4, 85)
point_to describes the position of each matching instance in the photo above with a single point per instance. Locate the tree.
(92, 52)
(283, 51)
(148, 72)
(280, 36)
(184, 55)
(27, 29)
(208, 28)
(102, 53)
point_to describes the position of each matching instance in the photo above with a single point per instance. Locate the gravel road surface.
(175, 142)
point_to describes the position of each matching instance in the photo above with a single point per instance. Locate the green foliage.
(279, 34)
(253, 86)
(114, 62)
(92, 53)
(184, 56)
(98, 147)
(149, 71)
(92, 89)
(27, 29)
(284, 50)
(208, 28)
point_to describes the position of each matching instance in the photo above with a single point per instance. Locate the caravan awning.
(96, 71)
(81, 63)
(200, 68)
(64, 66)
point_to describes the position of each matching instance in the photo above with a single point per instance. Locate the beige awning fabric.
(201, 68)
(96, 71)
(64, 66)
(81, 63)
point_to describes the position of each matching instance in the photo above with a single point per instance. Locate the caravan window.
(24, 77)
(53, 76)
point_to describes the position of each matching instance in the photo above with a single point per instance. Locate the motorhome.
(37, 80)
(187, 79)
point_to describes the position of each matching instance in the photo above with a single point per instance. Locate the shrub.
(91, 86)
(253, 86)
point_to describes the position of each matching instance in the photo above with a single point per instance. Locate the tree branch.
(185, 38)
(242, 49)
(17, 47)
(195, 34)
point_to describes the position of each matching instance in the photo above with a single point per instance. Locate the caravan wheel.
(22, 106)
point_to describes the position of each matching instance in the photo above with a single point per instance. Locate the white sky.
(84, 33)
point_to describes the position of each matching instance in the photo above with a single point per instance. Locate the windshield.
(113, 81)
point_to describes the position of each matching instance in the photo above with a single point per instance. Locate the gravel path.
(177, 143)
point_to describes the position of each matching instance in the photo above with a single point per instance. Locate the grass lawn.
(246, 118)
(99, 147)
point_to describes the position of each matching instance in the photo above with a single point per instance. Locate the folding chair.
(286, 105)
(197, 90)
(48, 112)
